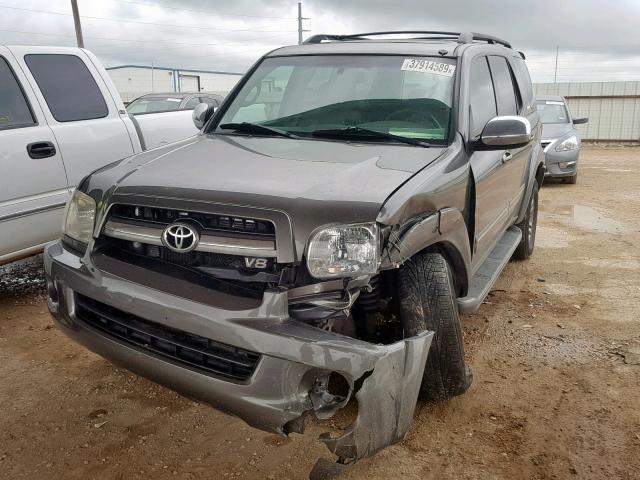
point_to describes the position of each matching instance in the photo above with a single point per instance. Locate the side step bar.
(489, 271)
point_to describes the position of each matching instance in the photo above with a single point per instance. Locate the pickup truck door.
(80, 105)
(489, 168)
(33, 184)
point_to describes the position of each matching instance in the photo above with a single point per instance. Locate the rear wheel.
(528, 225)
(573, 179)
(428, 302)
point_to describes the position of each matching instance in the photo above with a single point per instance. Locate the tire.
(528, 226)
(428, 302)
(572, 179)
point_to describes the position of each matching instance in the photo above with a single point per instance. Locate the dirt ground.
(555, 352)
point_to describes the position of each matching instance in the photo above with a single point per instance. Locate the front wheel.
(428, 302)
(528, 225)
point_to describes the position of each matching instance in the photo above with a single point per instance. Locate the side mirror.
(578, 121)
(502, 133)
(201, 114)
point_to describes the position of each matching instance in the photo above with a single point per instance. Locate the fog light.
(566, 164)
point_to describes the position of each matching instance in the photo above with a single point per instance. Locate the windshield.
(552, 111)
(405, 97)
(153, 105)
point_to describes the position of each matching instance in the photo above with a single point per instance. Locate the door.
(33, 184)
(189, 83)
(78, 107)
(489, 168)
(515, 159)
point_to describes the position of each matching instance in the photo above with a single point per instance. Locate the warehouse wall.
(133, 81)
(613, 108)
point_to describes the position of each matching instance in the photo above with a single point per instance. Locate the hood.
(315, 182)
(552, 131)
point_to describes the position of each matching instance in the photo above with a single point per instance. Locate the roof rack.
(460, 37)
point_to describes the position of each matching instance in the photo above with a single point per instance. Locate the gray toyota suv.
(319, 238)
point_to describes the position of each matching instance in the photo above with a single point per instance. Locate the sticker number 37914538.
(428, 66)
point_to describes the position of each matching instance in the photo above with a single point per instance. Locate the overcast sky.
(598, 40)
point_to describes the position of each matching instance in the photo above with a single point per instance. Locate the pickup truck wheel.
(428, 302)
(528, 225)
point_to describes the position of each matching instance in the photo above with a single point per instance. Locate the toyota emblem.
(180, 237)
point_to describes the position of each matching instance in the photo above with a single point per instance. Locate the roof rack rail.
(465, 37)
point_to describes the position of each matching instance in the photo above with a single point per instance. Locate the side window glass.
(482, 97)
(14, 109)
(191, 103)
(503, 84)
(524, 82)
(212, 102)
(68, 87)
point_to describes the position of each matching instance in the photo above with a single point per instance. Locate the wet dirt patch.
(596, 220)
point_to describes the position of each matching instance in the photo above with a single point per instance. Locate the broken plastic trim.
(386, 401)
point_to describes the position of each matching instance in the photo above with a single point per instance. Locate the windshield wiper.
(247, 127)
(366, 132)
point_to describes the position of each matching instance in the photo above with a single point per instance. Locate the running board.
(489, 271)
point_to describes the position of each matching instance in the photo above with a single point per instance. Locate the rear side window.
(191, 103)
(524, 82)
(68, 87)
(503, 84)
(482, 98)
(14, 109)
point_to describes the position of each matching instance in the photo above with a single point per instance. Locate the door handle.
(506, 156)
(41, 149)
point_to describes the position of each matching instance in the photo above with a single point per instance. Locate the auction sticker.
(428, 66)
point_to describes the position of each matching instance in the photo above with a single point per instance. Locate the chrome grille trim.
(249, 247)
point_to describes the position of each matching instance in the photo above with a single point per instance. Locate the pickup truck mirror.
(578, 121)
(502, 133)
(201, 114)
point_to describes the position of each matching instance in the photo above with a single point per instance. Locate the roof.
(385, 47)
(148, 67)
(555, 98)
(180, 94)
(410, 43)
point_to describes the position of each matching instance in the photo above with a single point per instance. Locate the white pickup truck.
(61, 118)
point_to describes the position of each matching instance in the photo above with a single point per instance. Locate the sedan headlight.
(80, 217)
(570, 143)
(344, 250)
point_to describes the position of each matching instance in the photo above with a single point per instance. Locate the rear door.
(493, 190)
(509, 103)
(78, 107)
(33, 184)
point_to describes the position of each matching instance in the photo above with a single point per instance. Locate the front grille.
(207, 221)
(179, 347)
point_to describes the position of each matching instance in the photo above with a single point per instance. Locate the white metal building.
(135, 80)
(613, 108)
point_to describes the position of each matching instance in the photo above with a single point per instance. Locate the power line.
(213, 12)
(119, 20)
(239, 44)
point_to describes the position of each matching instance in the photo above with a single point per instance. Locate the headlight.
(344, 250)
(570, 143)
(79, 221)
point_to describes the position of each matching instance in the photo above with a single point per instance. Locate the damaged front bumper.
(291, 377)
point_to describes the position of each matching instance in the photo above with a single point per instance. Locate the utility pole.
(300, 19)
(555, 74)
(76, 21)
